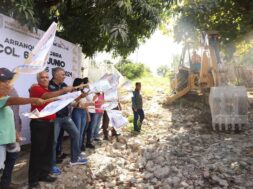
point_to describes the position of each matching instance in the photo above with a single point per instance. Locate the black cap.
(6, 74)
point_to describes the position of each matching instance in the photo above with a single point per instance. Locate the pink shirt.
(98, 103)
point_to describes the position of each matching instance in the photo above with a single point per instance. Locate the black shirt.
(54, 87)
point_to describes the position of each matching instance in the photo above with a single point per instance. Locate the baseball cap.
(6, 74)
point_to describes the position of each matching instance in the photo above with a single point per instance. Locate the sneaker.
(48, 178)
(97, 139)
(83, 148)
(83, 155)
(116, 135)
(55, 170)
(63, 155)
(80, 161)
(33, 185)
(10, 186)
(90, 146)
(59, 160)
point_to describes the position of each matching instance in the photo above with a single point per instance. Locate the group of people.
(78, 120)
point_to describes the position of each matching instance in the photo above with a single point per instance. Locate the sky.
(157, 50)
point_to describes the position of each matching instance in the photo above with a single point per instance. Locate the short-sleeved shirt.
(37, 91)
(98, 104)
(90, 99)
(137, 100)
(7, 125)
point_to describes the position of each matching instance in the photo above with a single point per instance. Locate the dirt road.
(176, 149)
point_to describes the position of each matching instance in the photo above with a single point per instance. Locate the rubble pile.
(174, 150)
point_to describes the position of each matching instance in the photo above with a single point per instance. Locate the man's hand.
(18, 137)
(37, 101)
(67, 89)
(135, 109)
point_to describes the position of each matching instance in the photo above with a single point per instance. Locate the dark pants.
(105, 125)
(9, 163)
(88, 131)
(42, 140)
(59, 142)
(138, 115)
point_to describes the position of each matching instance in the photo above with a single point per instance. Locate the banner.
(100, 86)
(36, 61)
(16, 42)
(117, 119)
(55, 106)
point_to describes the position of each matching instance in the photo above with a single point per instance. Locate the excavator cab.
(187, 77)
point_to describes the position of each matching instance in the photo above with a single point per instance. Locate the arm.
(81, 96)
(23, 101)
(95, 98)
(88, 116)
(134, 101)
(56, 93)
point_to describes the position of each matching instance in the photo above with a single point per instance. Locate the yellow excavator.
(202, 73)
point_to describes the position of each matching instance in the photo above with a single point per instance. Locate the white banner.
(16, 42)
(100, 86)
(55, 106)
(37, 59)
(117, 119)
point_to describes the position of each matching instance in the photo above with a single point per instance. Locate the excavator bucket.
(229, 107)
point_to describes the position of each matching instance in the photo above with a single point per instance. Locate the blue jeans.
(79, 118)
(138, 115)
(69, 126)
(10, 160)
(95, 123)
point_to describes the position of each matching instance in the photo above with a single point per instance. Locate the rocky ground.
(176, 149)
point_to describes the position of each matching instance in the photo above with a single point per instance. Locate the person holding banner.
(105, 124)
(7, 126)
(95, 123)
(42, 133)
(63, 123)
(80, 112)
(90, 117)
(137, 105)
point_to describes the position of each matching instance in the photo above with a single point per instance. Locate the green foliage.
(163, 70)
(231, 18)
(151, 83)
(117, 26)
(22, 10)
(131, 70)
(130, 118)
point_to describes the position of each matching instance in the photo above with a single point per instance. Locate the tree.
(231, 18)
(130, 69)
(163, 70)
(96, 25)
